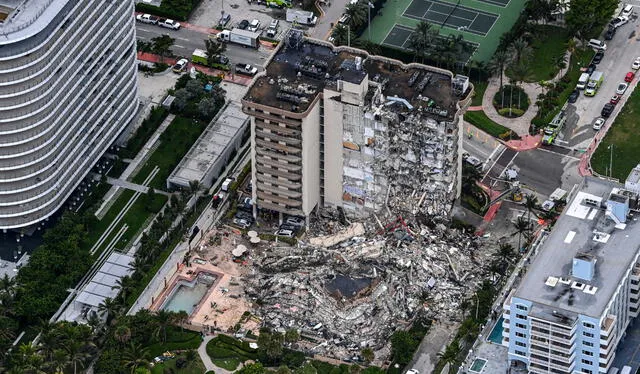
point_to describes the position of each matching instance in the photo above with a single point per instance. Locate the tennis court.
(399, 37)
(451, 15)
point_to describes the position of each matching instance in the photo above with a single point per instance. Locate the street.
(186, 40)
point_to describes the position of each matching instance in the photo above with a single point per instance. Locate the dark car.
(610, 33)
(591, 69)
(243, 24)
(606, 110)
(574, 96)
(598, 57)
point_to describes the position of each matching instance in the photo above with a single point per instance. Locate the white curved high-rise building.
(68, 87)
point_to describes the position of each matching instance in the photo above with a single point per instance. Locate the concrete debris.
(353, 286)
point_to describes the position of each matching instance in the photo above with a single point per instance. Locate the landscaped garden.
(549, 45)
(511, 101)
(480, 120)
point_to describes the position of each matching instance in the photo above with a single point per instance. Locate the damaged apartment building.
(336, 127)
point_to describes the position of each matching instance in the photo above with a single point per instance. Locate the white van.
(582, 81)
(597, 44)
(625, 370)
(627, 10)
(225, 185)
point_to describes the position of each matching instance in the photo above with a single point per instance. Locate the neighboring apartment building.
(582, 289)
(333, 126)
(68, 87)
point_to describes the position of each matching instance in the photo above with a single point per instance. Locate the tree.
(422, 39)
(537, 10)
(124, 284)
(162, 45)
(522, 226)
(182, 318)
(503, 257)
(270, 345)
(58, 361)
(283, 369)
(255, 368)
(291, 336)
(497, 64)
(163, 319)
(531, 203)
(357, 13)
(7, 284)
(520, 72)
(521, 49)
(109, 308)
(585, 16)
(402, 347)
(122, 334)
(76, 354)
(150, 199)
(144, 46)
(451, 354)
(340, 35)
(367, 355)
(194, 188)
(207, 108)
(214, 50)
(134, 357)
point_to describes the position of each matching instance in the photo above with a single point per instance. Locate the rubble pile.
(356, 292)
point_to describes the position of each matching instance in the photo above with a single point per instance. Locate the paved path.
(521, 124)
(206, 360)
(132, 186)
(134, 164)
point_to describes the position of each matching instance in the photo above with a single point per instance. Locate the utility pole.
(611, 161)
(348, 36)
(369, 6)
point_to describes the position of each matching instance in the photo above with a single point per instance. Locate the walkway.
(132, 186)
(521, 124)
(110, 196)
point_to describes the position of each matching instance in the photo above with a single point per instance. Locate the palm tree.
(122, 333)
(110, 308)
(7, 284)
(531, 203)
(422, 39)
(497, 64)
(77, 354)
(194, 188)
(522, 226)
(504, 256)
(181, 318)
(124, 284)
(520, 73)
(357, 13)
(162, 45)
(163, 319)
(340, 35)
(134, 356)
(521, 49)
(450, 354)
(58, 361)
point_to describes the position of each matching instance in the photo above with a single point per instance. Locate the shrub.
(511, 112)
(174, 9)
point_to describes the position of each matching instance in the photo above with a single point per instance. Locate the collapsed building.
(366, 148)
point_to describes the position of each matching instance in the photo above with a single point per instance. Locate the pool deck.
(224, 304)
(496, 356)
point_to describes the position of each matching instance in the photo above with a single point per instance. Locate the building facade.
(333, 126)
(68, 87)
(582, 290)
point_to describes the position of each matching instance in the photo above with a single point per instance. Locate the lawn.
(480, 120)
(175, 142)
(230, 364)
(478, 88)
(176, 340)
(624, 134)
(225, 347)
(549, 46)
(195, 367)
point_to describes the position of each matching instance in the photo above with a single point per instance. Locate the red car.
(614, 100)
(629, 77)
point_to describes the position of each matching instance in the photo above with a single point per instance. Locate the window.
(521, 344)
(588, 325)
(587, 371)
(520, 353)
(587, 344)
(587, 334)
(587, 362)
(587, 353)
(521, 316)
(521, 307)
(520, 325)
(521, 335)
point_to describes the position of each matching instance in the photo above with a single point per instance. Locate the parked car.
(253, 25)
(615, 99)
(591, 68)
(180, 66)
(597, 125)
(246, 204)
(147, 18)
(598, 57)
(629, 77)
(243, 24)
(242, 223)
(627, 11)
(412, 371)
(607, 110)
(472, 160)
(285, 233)
(574, 96)
(618, 21)
(169, 24)
(284, 226)
(622, 87)
(224, 19)
(611, 32)
(344, 19)
(295, 221)
(636, 64)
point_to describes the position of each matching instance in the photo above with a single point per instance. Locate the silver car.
(622, 87)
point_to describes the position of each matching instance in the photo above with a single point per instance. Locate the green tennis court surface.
(480, 22)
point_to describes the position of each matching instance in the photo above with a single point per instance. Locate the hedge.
(175, 9)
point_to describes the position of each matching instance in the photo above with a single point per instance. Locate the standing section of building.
(333, 126)
(68, 87)
(581, 291)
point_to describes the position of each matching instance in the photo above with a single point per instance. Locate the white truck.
(147, 18)
(582, 81)
(246, 69)
(302, 17)
(242, 37)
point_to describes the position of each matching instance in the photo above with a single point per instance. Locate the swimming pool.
(187, 295)
(477, 365)
(496, 333)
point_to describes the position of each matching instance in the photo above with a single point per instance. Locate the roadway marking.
(179, 46)
(185, 39)
(494, 163)
(476, 148)
(559, 154)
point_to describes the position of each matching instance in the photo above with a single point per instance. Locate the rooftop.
(22, 19)
(299, 71)
(211, 145)
(634, 176)
(583, 231)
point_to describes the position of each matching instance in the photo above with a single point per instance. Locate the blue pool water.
(496, 333)
(186, 297)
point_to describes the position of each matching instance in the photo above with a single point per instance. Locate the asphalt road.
(620, 53)
(542, 170)
(187, 40)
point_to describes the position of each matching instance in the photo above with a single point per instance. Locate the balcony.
(270, 179)
(291, 141)
(281, 129)
(291, 176)
(293, 167)
(280, 208)
(607, 325)
(291, 194)
(277, 147)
